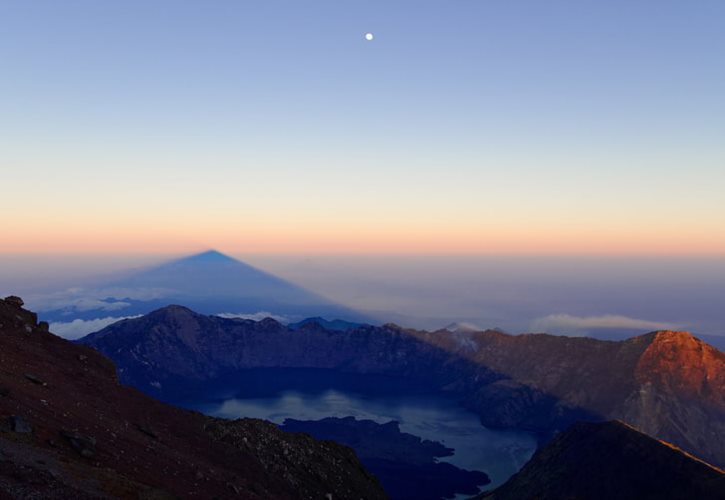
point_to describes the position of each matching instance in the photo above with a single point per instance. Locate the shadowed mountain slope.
(68, 429)
(608, 460)
(668, 384)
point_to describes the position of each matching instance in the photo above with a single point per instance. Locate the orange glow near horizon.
(114, 220)
(361, 240)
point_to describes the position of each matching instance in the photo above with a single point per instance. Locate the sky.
(554, 294)
(481, 127)
(605, 296)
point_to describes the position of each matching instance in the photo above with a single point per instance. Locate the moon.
(369, 37)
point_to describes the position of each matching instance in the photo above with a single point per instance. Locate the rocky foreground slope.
(608, 460)
(68, 429)
(670, 385)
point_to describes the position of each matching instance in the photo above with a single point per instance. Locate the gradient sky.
(273, 126)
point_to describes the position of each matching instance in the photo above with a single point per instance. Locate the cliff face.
(678, 362)
(680, 394)
(668, 384)
(69, 429)
(609, 460)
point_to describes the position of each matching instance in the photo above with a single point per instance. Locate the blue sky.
(492, 126)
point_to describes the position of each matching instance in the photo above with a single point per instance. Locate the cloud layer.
(568, 323)
(79, 328)
(79, 299)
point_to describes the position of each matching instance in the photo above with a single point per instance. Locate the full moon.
(369, 36)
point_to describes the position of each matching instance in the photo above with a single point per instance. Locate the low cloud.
(464, 326)
(87, 304)
(567, 323)
(258, 316)
(105, 299)
(79, 327)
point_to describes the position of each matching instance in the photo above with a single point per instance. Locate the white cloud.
(463, 326)
(88, 304)
(79, 327)
(567, 323)
(105, 299)
(258, 316)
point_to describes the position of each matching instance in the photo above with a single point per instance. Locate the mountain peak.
(674, 336)
(566, 467)
(173, 310)
(176, 316)
(679, 361)
(209, 256)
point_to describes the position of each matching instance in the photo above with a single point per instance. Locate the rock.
(82, 357)
(84, 445)
(4, 391)
(19, 425)
(314, 467)
(44, 326)
(144, 429)
(35, 379)
(15, 301)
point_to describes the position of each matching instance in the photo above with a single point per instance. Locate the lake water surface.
(276, 395)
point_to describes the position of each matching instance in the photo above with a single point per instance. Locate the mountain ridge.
(535, 382)
(606, 460)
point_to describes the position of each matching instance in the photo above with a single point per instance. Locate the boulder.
(84, 445)
(35, 379)
(19, 425)
(15, 301)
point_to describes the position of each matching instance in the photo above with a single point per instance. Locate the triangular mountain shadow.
(211, 283)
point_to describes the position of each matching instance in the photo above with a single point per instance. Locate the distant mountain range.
(670, 385)
(214, 283)
(335, 324)
(209, 282)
